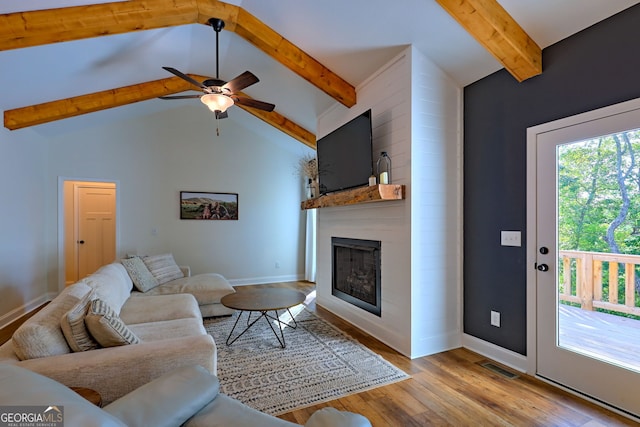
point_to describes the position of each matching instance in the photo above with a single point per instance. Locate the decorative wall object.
(308, 169)
(208, 206)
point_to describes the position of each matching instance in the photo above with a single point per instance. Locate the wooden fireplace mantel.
(374, 193)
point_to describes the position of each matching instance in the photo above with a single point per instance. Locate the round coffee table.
(262, 300)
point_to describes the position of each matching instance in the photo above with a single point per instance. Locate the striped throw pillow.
(163, 267)
(73, 327)
(106, 327)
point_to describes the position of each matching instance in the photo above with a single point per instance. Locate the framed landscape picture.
(208, 206)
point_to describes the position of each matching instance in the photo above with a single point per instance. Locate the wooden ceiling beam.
(40, 27)
(83, 104)
(78, 105)
(492, 26)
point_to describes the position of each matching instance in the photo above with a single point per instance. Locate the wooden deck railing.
(582, 280)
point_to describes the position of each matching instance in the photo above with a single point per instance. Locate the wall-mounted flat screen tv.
(345, 156)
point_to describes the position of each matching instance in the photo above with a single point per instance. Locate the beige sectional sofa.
(168, 329)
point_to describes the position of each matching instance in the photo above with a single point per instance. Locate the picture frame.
(207, 206)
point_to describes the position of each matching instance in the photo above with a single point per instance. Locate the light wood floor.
(449, 389)
(454, 389)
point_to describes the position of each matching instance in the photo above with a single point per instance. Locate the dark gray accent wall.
(597, 67)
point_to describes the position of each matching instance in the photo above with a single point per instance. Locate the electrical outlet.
(495, 318)
(510, 238)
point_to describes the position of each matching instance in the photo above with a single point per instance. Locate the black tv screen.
(345, 155)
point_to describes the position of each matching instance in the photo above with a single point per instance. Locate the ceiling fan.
(219, 95)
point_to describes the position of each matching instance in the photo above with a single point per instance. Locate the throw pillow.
(140, 275)
(73, 327)
(106, 327)
(41, 335)
(163, 267)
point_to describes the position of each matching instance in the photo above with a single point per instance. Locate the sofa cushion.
(331, 417)
(143, 308)
(208, 288)
(24, 387)
(73, 327)
(142, 278)
(163, 267)
(112, 284)
(169, 400)
(168, 329)
(41, 335)
(106, 327)
(224, 411)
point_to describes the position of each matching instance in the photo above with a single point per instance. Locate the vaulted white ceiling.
(352, 38)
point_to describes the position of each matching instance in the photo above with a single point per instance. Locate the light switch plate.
(510, 238)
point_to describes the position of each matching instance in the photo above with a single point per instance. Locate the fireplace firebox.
(356, 273)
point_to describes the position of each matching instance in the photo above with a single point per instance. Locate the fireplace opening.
(356, 272)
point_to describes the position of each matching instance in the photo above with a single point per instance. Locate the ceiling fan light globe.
(216, 102)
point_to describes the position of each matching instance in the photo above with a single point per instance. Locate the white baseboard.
(266, 280)
(16, 313)
(496, 353)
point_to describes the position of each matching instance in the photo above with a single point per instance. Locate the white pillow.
(142, 278)
(163, 267)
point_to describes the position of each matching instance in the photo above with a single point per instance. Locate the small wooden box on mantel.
(374, 193)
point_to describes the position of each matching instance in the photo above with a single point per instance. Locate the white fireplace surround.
(417, 116)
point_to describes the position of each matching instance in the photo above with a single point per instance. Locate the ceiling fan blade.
(180, 97)
(185, 77)
(244, 80)
(221, 115)
(253, 103)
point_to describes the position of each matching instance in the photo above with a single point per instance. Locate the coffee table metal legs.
(266, 315)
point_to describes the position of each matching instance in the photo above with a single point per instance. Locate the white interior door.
(571, 349)
(96, 227)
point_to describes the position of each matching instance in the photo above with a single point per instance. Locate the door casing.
(62, 221)
(532, 220)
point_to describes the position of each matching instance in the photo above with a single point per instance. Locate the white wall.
(23, 261)
(153, 158)
(436, 208)
(416, 119)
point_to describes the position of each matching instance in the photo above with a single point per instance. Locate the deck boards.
(600, 335)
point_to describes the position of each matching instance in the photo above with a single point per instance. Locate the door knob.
(81, 242)
(543, 267)
(544, 250)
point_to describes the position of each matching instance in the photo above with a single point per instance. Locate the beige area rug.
(319, 363)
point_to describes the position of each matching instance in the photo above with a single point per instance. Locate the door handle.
(543, 267)
(81, 242)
